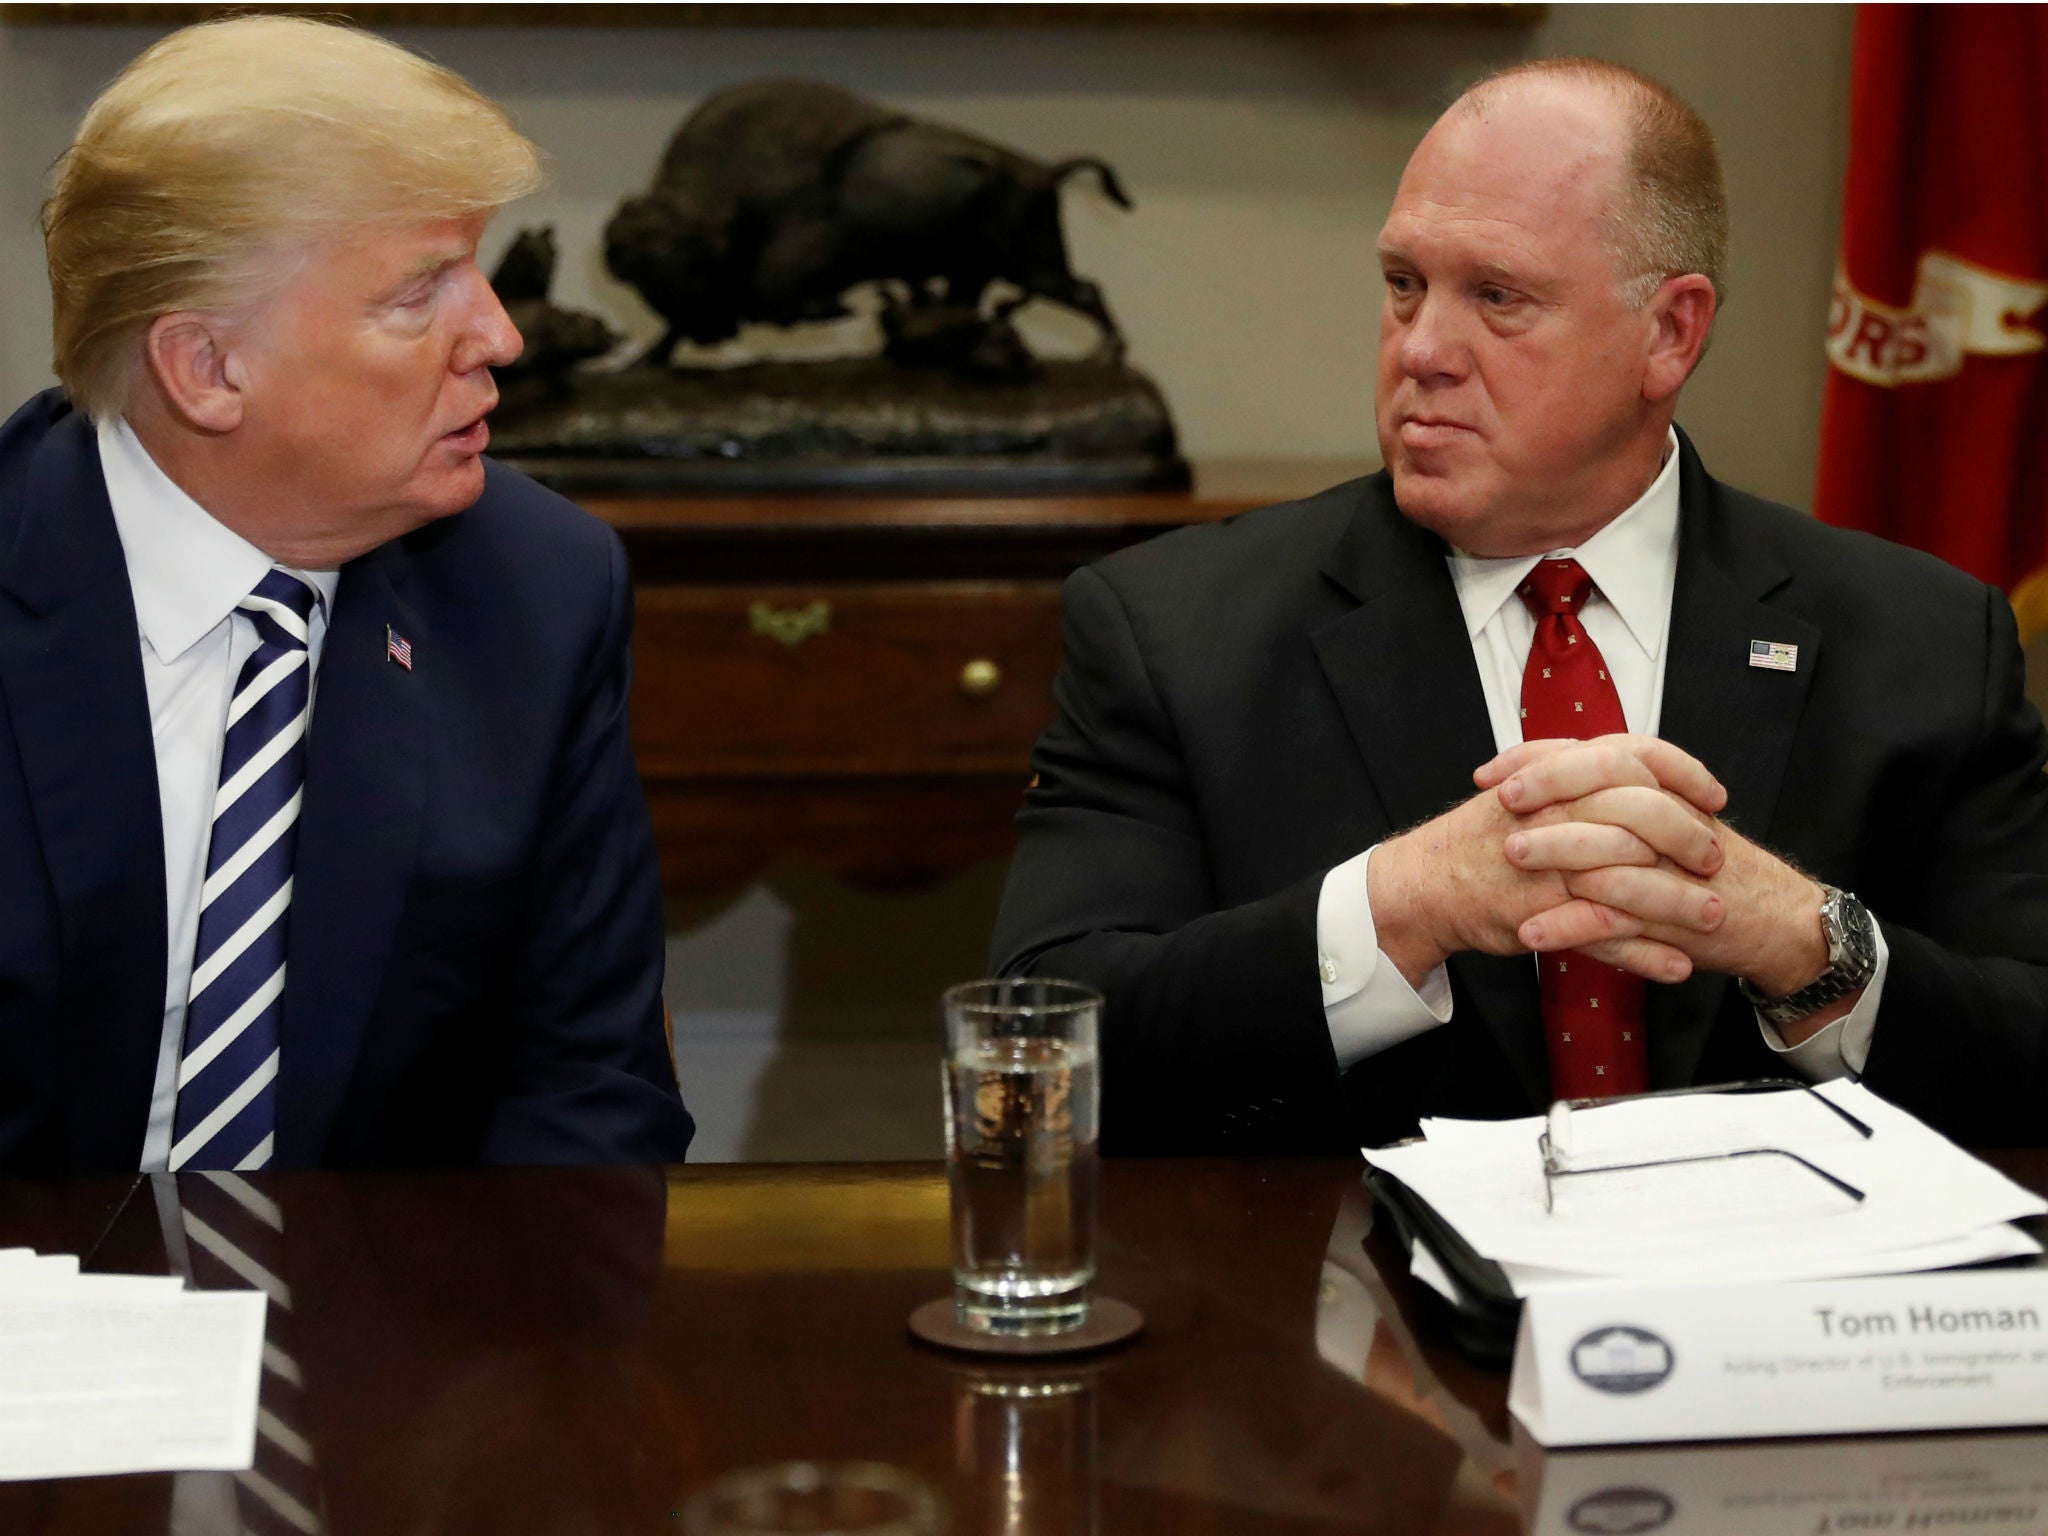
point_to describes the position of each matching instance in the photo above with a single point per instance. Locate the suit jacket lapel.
(1401, 666)
(358, 834)
(71, 670)
(1737, 719)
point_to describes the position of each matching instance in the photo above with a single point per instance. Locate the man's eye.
(1496, 298)
(1400, 283)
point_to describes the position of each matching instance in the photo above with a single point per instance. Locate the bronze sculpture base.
(853, 424)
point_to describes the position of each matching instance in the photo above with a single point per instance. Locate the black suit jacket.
(475, 954)
(1243, 706)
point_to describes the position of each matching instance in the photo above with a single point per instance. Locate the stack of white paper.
(123, 1373)
(1927, 1204)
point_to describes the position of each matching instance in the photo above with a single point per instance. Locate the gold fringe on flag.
(2030, 604)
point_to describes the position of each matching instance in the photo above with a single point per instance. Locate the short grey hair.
(1672, 217)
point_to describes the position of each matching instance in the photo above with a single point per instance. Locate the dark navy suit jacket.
(1244, 705)
(475, 960)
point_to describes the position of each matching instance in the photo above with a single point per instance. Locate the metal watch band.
(1852, 959)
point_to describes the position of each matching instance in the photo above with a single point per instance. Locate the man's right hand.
(1448, 885)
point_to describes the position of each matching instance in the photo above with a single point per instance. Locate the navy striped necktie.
(227, 1070)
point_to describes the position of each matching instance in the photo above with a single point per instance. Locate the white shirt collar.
(188, 570)
(1633, 561)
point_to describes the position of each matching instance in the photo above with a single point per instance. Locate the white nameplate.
(1632, 1365)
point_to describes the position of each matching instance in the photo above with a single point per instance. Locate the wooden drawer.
(868, 679)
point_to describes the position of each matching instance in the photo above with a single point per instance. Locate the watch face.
(1862, 932)
(1833, 929)
(1851, 933)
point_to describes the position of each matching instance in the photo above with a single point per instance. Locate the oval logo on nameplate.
(1621, 1512)
(1622, 1359)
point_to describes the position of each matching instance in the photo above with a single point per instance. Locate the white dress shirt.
(1634, 564)
(187, 572)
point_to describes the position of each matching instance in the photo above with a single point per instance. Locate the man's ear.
(1681, 312)
(187, 354)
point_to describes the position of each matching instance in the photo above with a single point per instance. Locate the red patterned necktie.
(1592, 1013)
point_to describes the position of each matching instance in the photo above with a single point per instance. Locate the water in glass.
(1021, 1152)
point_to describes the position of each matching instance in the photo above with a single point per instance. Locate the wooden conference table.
(574, 1351)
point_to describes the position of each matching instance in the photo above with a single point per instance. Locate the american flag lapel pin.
(1773, 656)
(397, 647)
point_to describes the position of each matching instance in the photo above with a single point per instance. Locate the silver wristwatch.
(1851, 934)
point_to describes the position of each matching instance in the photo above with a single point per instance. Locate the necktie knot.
(281, 608)
(1555, 587)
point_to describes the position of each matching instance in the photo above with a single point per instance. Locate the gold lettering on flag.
(1958, 309)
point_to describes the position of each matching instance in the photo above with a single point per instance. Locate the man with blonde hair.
(1755, 795)
(321, 841)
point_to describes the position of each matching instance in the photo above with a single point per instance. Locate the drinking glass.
(1023, 1103)
(814, 1498)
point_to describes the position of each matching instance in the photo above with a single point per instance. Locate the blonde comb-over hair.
(225, 153)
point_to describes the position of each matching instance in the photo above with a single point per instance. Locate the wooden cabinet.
(857, 680)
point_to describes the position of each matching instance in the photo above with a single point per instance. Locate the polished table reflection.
(576, 1350)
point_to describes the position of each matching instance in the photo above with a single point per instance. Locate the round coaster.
(1109, 1322)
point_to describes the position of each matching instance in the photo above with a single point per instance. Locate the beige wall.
(1774, 83)
(1262, 162)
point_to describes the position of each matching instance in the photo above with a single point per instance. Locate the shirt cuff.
(1843, 1047)
(1367, 1002)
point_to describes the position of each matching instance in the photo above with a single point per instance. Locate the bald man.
(1755, 797)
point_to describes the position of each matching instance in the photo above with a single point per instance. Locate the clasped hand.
(1610, 846)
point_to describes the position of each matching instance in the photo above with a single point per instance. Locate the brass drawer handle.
(980, 678)
(791, 626)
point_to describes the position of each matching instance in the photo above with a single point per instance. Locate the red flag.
(1934, 430)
